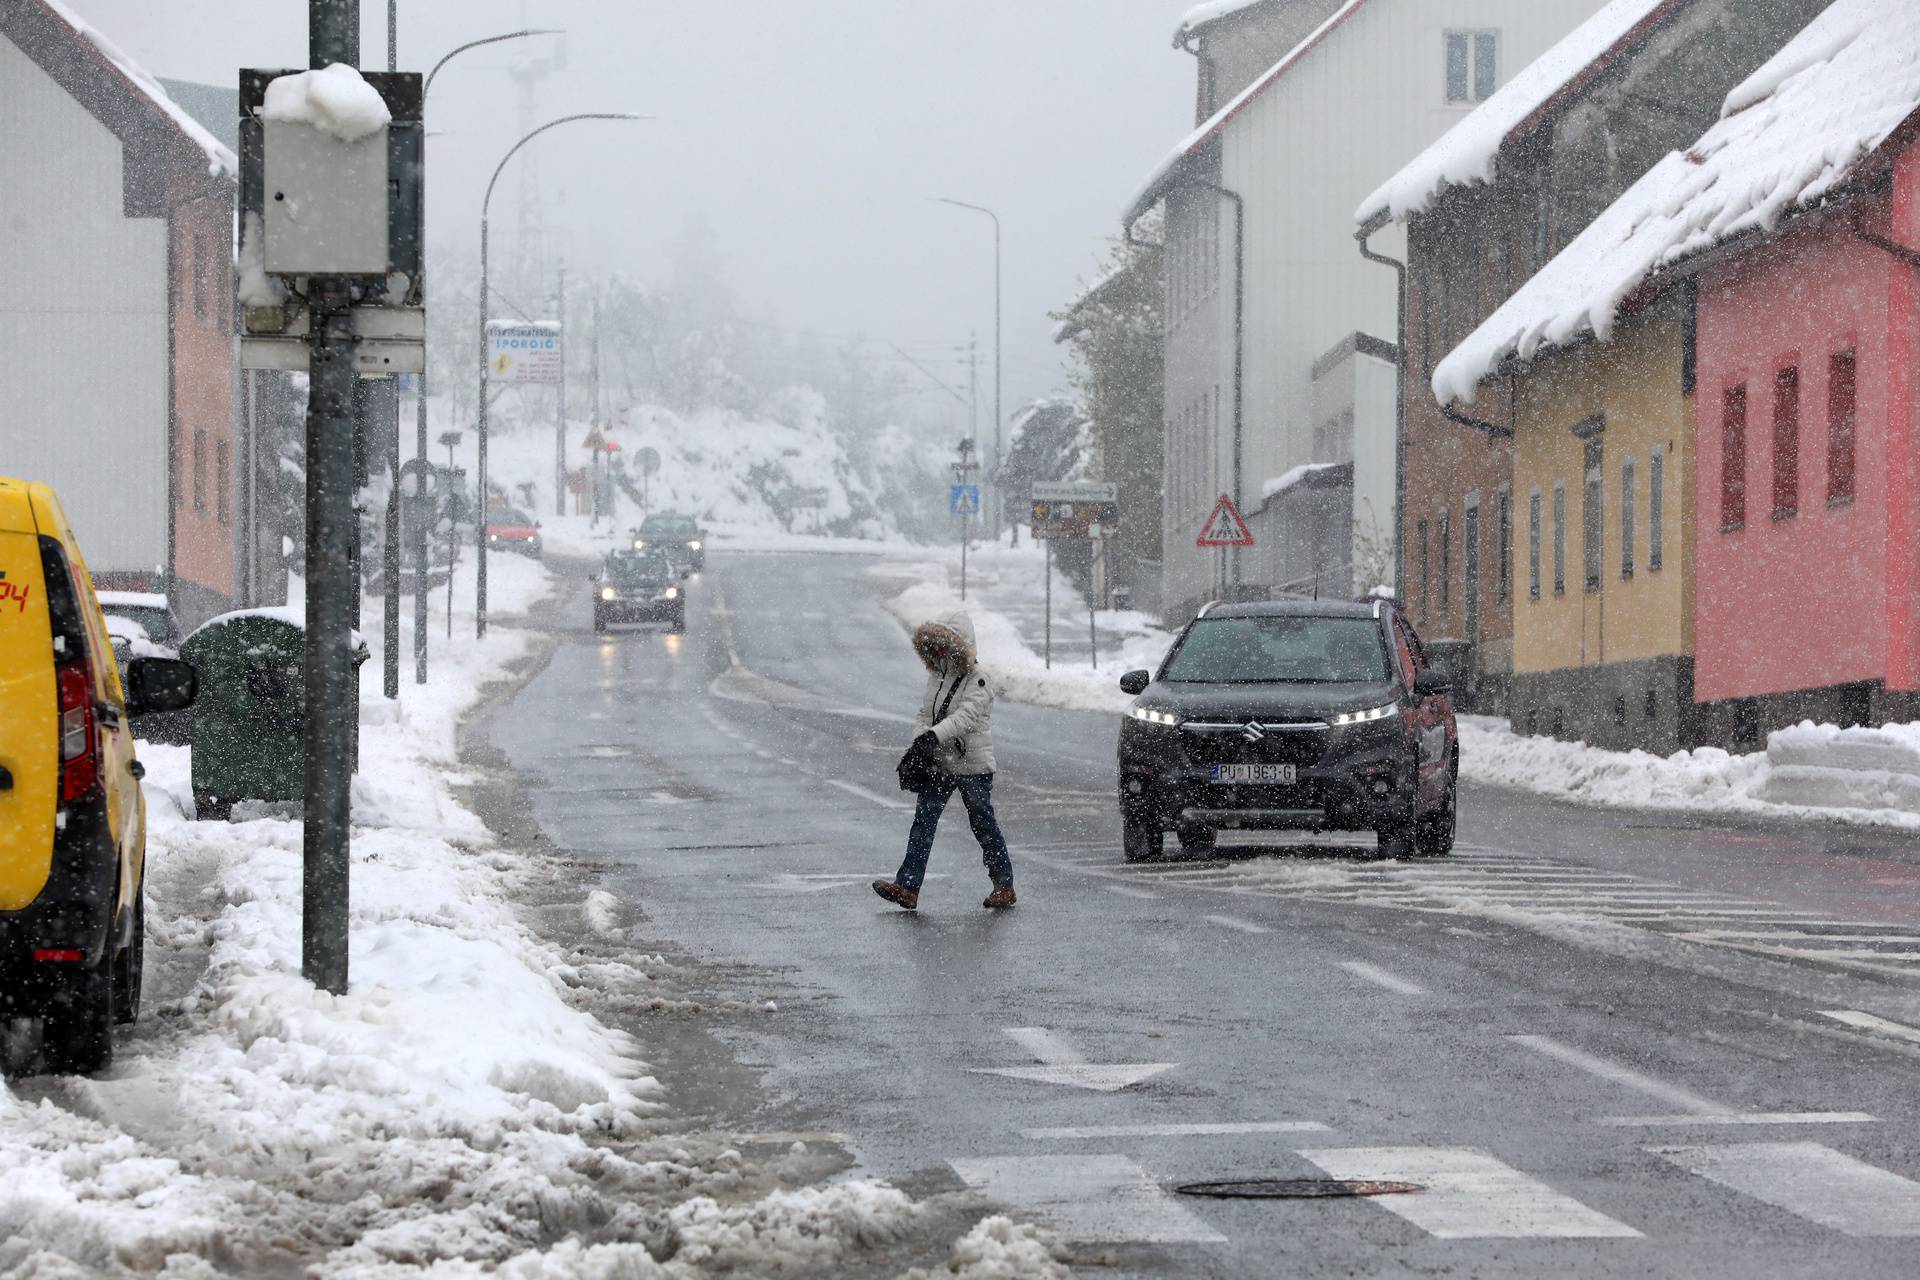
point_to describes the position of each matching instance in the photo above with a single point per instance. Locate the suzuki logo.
(1254, 732)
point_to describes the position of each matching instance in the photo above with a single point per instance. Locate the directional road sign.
(1224, 527)
(1082, 509)
(963, 499)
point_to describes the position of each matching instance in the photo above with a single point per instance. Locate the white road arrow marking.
(1061, 1064)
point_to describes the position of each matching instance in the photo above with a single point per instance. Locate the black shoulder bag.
(918, 771)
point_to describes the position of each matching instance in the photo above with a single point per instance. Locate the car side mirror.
(1432, 683)
(160, 684)
(1135, 682)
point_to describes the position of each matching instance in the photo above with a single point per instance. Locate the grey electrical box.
(325, 202)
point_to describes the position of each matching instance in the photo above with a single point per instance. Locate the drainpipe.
(1376, 223)
(1239, 344)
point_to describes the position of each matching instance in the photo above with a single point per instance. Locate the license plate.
(1256, 775)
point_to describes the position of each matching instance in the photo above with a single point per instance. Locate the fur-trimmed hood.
(945, 639)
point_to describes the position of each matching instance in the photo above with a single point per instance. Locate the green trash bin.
(247, 720)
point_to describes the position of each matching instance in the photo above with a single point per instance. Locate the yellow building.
(1603, 560)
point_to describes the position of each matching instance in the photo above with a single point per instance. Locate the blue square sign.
(963, 499)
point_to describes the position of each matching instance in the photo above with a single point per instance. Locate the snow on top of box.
(1788, 137)
(1293, 476)
(1157, 182)
(1469, 152)
(220, 160)
(1203, 14)
(336, 100)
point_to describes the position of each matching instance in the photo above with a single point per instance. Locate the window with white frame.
(1472, 66)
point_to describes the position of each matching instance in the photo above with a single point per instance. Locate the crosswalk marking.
(1105, 1199)
(1469, 1194)
(1177, 1130)
(1812, 1181)
(1236, 924)
(1502, 881)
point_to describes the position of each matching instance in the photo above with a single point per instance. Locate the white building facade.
(1369, 85)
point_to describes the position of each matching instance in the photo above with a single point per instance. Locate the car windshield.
(636, 569)
(511, 516)
(1287, 649)
(669, 526)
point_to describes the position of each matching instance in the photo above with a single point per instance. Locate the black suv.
(639, 586)
(681, 537)
(1290, 716)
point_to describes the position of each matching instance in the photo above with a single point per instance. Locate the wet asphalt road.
(1603, 1044)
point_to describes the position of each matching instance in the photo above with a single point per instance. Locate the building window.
(1786, 441)
(1626, 518)
(199, 468)
(1420, 542)
(1733, 458)
(1504, 535)
(1592, 517)
(1656, 511)
(198, 269)
(1560, 538)
(1533, 545)
(1445, 530)
(223, 481)
(1842, 394)
(1473, 65)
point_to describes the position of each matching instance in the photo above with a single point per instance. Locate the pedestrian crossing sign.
(963, 499)
(1224, 527)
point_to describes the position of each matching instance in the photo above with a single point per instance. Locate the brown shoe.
(1000, 899)
(899, 895)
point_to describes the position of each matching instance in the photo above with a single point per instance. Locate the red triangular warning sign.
(1224, 528)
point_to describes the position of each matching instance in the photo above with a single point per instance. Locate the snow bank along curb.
(1870, 777)
(455, 1112)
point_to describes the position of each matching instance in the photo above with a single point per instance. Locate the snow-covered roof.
(220, 160)
(1167, 170)
(1295, 476)
(1203, 15)
(1788, 137)
(1469, 152)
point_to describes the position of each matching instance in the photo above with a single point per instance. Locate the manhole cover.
(1295, 1188)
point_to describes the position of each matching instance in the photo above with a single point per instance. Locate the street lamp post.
(994, 475)
(420, 397)
(480, 520)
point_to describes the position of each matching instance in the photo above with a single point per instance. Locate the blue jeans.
(976, 792)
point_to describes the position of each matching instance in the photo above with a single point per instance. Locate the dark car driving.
(1290, 716)
(679, 536)
(639, 586)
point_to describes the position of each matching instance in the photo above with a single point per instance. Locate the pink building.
(1808, 550)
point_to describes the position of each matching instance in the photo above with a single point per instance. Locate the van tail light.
(79, 762)
(59, 955)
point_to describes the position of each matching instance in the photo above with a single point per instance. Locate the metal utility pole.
(560, 414)
(332, 590)
(480, 549)
(390, 563)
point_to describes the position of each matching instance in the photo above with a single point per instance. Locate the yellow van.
(72, 818)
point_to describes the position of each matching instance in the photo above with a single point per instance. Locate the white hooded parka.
(956, 684)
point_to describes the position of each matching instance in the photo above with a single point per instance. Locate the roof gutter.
(1379, 222)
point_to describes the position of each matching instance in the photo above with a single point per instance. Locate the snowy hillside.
(735, 470)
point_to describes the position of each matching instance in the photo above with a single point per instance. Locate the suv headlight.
(1364, 717)
(609, 593)
(639, 545)
(1153, 715)
(671, 593)
(694, 545)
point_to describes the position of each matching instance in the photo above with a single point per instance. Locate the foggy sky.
(807, 132)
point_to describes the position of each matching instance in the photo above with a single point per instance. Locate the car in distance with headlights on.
(679, 536)
(511, 529)
(637, 587)
(1290, 715)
